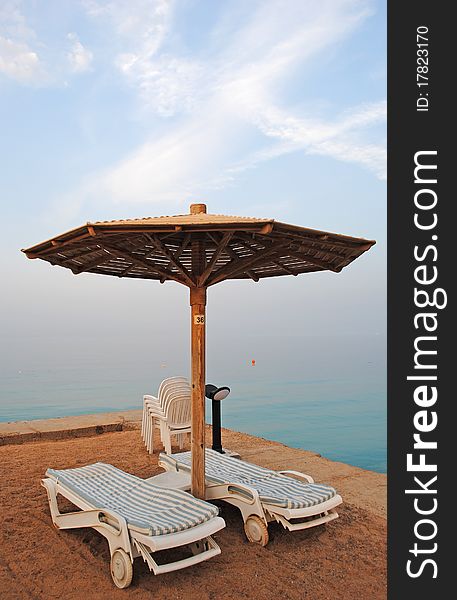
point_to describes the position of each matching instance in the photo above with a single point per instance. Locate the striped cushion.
(151, 509)
(273, 488)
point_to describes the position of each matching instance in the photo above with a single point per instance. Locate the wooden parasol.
(198, 250)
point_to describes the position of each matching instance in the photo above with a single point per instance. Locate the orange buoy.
(253, 362)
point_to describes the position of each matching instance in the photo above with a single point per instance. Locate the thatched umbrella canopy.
(198, 250)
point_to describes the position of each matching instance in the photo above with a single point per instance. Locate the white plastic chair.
(155, 403)
(169, 411)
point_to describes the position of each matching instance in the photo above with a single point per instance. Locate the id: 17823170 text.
(422, 68)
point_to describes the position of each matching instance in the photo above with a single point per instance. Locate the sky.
(121, 109)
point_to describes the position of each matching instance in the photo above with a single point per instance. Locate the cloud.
(19, 62)
(342, 139)
(79, 57)
(12, 22)
(144, 21)
(20, 59)
(167, 85)
(173, 168)
(203, 155)
(165, 82)
(226, 105)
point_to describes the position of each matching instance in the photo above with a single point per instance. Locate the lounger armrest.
(155, 411)
(109, 523)
(227, 490)
(149, 398)
(167, 462)
(87, 517)
(96, 517)
(181, 538)
(298, 475)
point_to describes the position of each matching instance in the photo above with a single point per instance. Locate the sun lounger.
(262, 495)
(136, 517)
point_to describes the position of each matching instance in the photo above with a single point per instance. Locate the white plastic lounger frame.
(256, 508)
(170, 411)
(127, 541)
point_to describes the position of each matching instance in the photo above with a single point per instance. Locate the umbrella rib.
(245, 263)
(303, 244)
(311, 259)
(221, 246)
(315, 261)
(279, 264)
(276, 262)
(234, 255)
(327, 239)
(179, 251)
(141, 262)
(82, 255)
(306, 246)
(125, 271)
(273, 262)
(172, 258)
(99, 260)
(43, 254)
(182, 247)
(53, 260)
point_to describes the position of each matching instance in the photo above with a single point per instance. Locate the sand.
(343, 560)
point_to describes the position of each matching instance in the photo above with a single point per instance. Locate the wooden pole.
(198, 314)
(198, 338)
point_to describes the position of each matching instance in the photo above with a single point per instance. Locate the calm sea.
(323, 394)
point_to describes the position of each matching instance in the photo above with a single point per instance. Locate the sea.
(325, 394)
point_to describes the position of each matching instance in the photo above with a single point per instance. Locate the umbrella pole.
(198, 313)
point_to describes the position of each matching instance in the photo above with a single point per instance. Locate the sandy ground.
(343, 560)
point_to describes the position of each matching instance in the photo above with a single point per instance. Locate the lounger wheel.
(199, 547)
(121, 568)
(256, 530)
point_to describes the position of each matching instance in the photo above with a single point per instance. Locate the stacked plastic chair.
(169, 411)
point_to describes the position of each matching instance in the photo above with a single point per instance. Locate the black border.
(410, 131)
